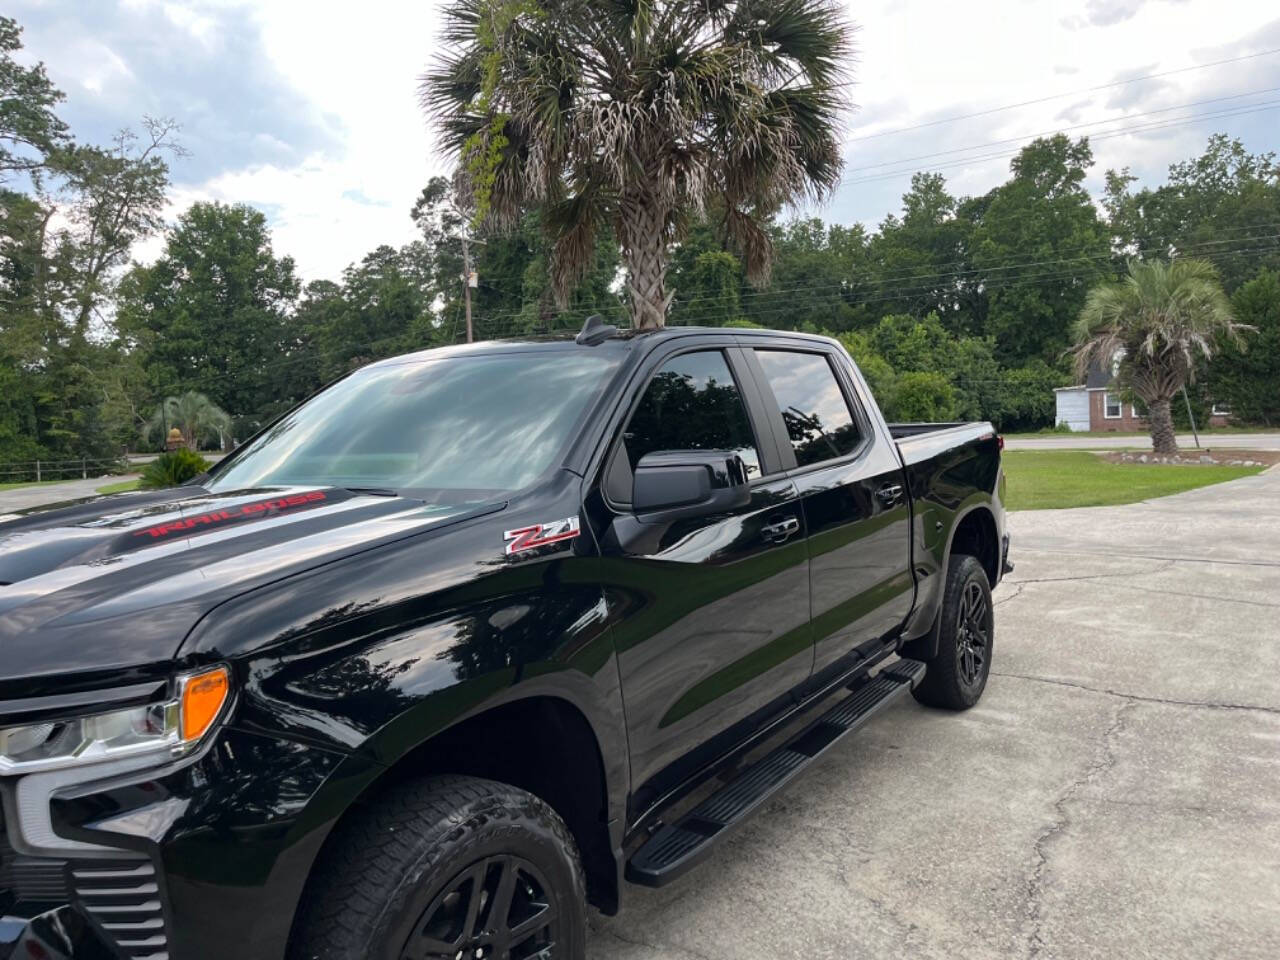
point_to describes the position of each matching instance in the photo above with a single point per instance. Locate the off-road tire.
(392, 860)
(945, 683)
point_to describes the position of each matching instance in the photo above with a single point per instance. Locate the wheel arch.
(541, 743)
(974, 532)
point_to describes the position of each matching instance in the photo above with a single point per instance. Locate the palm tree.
(1154, 325)
(194, 414)
(641, 116)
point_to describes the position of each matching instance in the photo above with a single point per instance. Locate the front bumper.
(203, 860)
(109, 910)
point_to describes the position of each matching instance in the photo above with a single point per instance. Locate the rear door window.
(692, 403)
(819, 423)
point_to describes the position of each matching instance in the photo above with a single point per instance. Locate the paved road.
(1113, 795)
(1233, 441)
(23, 497)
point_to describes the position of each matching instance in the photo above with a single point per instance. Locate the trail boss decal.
(540, 534)
(243, 512)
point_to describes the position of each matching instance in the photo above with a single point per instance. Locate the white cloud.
(335, 148)
(921, 61)
(333, 207)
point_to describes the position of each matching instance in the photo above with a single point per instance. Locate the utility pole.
(1192, 417)
(466, 284)
(468, 281)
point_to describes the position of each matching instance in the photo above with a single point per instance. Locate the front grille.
(123, 896)
(29, 881)
(125, 899)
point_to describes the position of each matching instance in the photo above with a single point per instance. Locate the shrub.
(925, 397)
(173, 469)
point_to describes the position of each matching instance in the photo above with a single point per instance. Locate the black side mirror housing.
(674, 484)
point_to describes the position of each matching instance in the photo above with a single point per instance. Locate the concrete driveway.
(1211, 441)
(1115, 794)
(21, 498)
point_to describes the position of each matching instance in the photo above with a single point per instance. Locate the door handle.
(780, 531)
(889, 493)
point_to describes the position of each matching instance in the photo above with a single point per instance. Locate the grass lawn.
(1204, 431)
(124, 486)
(1051, 479)
(27, 483)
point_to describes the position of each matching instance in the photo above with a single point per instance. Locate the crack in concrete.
(1017, 592)
(1103, 761)
(1138, 697)
(1067, 551)
(1133, 588)
(1128, 574)
(662, 949)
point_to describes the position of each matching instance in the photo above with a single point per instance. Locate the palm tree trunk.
(645, 255)
(1160, 418)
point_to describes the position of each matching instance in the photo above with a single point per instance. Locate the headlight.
(169, 728)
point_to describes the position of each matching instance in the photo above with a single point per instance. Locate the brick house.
(1096, 406)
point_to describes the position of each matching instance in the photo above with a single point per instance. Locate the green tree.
(1038, 246)
(1154, 325)
(713, 285)
(514, 293)
(1222, 205)
(638, 117)
(918, 267)
(30, 130)
(200, 420)
(1247, 378)
(211, 314)
(819, 274)
(923, 397)
(880, 377)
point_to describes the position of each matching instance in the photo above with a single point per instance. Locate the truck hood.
(110, 587)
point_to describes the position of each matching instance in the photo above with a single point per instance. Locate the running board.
(675, 848)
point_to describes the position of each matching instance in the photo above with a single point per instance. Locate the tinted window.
(692, 403)
(449, 429)
(813, 406)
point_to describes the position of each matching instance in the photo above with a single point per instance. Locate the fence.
(38, 471)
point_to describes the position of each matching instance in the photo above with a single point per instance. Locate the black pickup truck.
(471, 639)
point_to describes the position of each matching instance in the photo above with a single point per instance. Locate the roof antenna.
(595, 331)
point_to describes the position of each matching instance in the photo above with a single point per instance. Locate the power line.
(998, 283)
(1139, 128)
(1008, 263)
(1028, 274)
(1059, 96)
(1046, 133)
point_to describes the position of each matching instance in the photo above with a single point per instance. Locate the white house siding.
(1072, 407)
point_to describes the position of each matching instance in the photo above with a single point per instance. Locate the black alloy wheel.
(497, 908)
(964, 631)
(973, 632)
(446, 868)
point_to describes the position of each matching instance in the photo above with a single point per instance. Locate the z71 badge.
(541, 534)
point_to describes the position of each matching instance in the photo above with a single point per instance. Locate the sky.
(308, 109)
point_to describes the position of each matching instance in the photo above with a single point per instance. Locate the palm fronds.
(665, 108)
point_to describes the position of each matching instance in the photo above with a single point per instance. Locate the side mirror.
(674, 484)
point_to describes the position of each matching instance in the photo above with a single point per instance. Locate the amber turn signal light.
(203, 696)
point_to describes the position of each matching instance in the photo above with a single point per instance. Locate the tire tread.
(387, 847)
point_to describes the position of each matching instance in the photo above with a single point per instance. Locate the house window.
(1221, 410)
(1139, 410)
(1111, 407)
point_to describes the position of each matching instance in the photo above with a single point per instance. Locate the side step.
(677, 847)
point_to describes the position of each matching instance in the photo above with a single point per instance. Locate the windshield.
(452, 429)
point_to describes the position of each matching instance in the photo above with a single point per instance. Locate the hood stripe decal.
(61, 578)
(279, 558)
